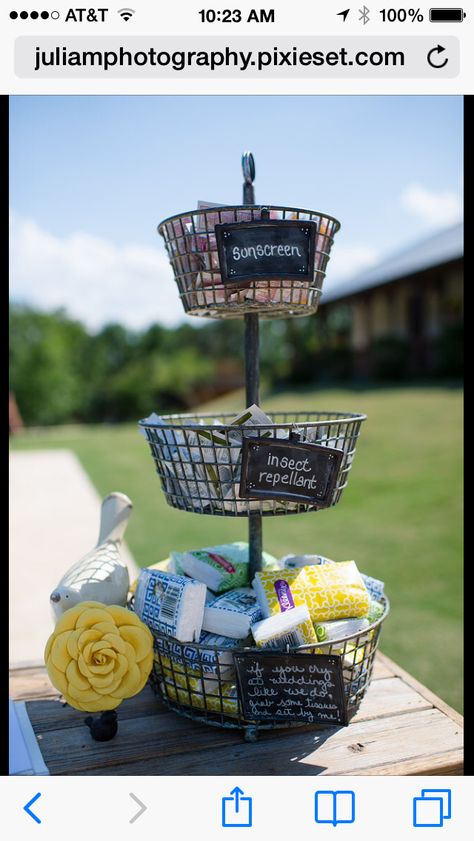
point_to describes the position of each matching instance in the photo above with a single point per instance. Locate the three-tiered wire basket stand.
(198, 681)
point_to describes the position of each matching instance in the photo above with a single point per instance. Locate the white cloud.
(98, 282)
(94, 280)
(349, 260)
(434, 209)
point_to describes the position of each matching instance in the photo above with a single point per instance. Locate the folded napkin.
(290, 628)
(232, 614)
(170, 604)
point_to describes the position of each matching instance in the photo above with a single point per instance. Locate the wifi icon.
(126, 14)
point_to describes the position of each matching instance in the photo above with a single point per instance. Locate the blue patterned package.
(170, 604)
(233, 613)
(374, 587)
(211, 662)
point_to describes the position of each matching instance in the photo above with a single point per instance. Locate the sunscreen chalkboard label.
(266, 250)
(291, 687)
(275, 469)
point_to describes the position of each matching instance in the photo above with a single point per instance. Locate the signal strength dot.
(126, 14)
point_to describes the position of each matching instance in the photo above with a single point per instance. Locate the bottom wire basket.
(199, 681)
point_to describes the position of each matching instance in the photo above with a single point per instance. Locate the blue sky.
(92, 176)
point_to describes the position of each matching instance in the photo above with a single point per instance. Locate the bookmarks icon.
(334, 807)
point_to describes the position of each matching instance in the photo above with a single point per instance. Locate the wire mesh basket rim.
(289, 649)
(337, 418)
(260, 206)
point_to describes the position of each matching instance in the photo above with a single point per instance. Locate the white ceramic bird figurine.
(101, 575)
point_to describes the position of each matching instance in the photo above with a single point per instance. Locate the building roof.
(442, 247)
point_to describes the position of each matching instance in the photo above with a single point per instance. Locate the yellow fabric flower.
(98, 655)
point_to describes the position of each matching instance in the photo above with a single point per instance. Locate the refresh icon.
(436, 51)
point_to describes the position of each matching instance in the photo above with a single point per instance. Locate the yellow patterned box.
(280, 590)
(335, 591)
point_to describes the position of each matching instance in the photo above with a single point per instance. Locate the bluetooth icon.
(364, 14)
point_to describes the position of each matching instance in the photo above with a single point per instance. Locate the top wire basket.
(205, 290)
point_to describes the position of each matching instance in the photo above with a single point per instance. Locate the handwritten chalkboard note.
(282, 470)
(266, 249)
(291, 687)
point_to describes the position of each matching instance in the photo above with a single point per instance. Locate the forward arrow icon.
(142, 809)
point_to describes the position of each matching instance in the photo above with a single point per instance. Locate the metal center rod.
(252, 391)
(252, 376)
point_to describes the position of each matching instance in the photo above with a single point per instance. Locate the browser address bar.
(272, 57)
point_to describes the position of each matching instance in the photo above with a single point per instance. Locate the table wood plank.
(381, 669)
(404, 742)
(66, 743)
(400, 728)
(419, 687)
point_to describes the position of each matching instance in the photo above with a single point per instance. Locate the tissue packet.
(170, 604)
(335, 591)
(281, 591)
(182, 463)
(376, 611)
(221, 568)
(226, 457)
(374, 587)
(336, 629)
(224, 702)
(291, 628)
(202, 661)
(330, 591)
(297, 561)
(233, 613)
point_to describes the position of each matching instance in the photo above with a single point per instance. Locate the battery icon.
(447, 15)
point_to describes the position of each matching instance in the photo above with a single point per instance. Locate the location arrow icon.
(28, 810)
(344, 14)
(142, 809)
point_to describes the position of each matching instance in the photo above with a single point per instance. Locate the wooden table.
(401, 728)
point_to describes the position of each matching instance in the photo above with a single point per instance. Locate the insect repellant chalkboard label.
(266, 249)
(296, 471)
(291, 687)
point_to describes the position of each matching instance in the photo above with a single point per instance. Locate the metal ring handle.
(248, 167)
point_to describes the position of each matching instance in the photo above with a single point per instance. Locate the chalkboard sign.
(276, 469)
(291, 687)
(266, 249)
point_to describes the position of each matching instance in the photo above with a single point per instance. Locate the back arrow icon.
(439, 49)
(142, 809)
(28, 810)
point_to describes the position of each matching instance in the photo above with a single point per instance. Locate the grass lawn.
(399, 518)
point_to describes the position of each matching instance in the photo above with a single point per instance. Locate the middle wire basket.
(198, 680)
(199, 458)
